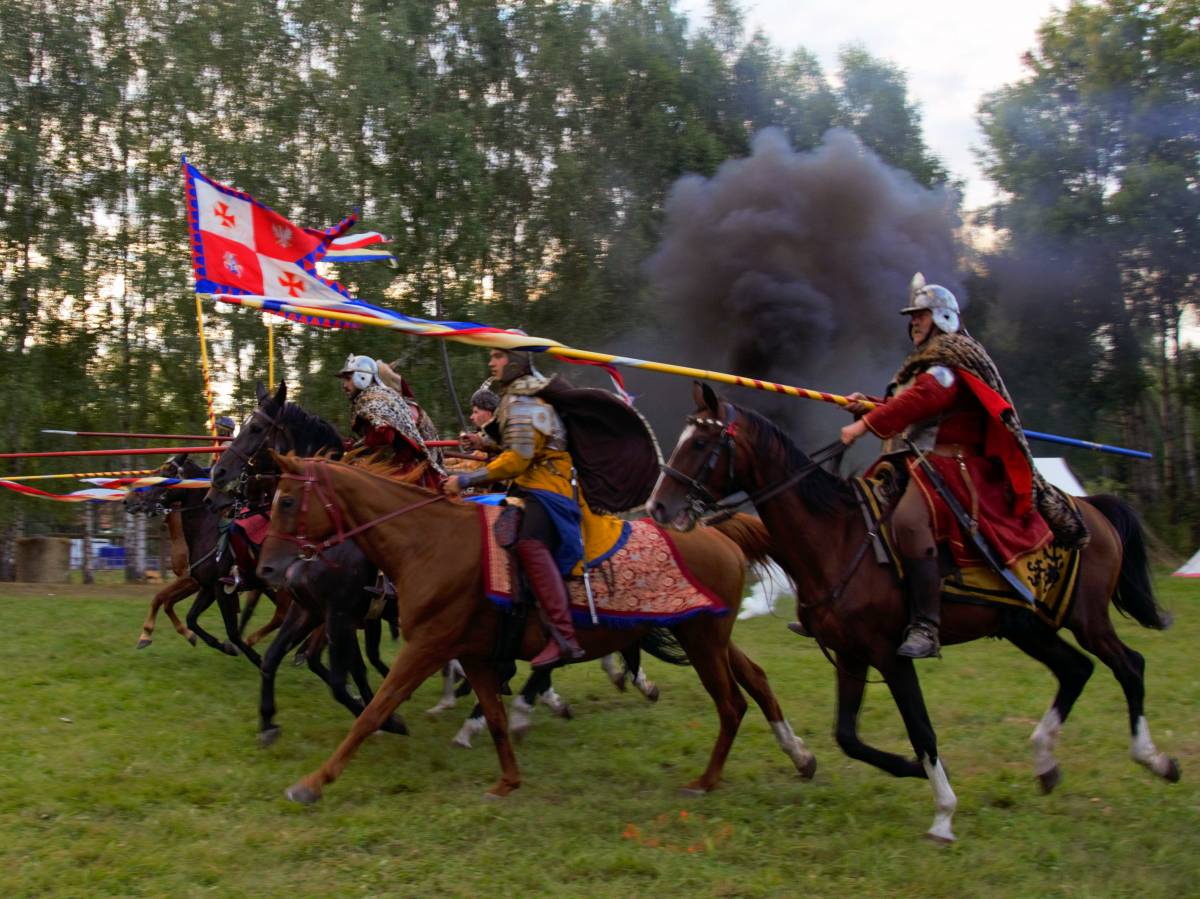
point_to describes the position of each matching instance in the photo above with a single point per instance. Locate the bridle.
(239, 455)
(313, 483)
(701, 501)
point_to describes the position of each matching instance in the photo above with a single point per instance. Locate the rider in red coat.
(949, 402)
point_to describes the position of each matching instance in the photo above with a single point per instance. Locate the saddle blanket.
(1050, 573)
(642, 581)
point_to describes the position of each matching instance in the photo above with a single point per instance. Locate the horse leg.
(296, 626)
(373, 633)
(710, 658)
(352, 656)
(199, 606)
(1129, 668)
(169, 607)
(851, 682)
(906, 691)
(252, 599)
(486, 683)
(228, 604)
(753, 680)
(540, 686)
(170, 594)
(615, 672)
(413, 665)
(473, 726)
(282, 603)
(452, 673)
(1072, 669)
(633, 657)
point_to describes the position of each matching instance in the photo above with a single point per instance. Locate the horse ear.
(281, 393)
(260, 391)
(285, 461)
(708, 400)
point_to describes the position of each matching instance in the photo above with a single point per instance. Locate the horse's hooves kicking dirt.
(1049, 780)
(268, 737)
(302, 794)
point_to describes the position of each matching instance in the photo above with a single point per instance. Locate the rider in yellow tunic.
(533, 457)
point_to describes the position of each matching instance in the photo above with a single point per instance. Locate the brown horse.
(431, 547)
(857, 611)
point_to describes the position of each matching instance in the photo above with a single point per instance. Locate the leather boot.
(924, 590)
(547, 584)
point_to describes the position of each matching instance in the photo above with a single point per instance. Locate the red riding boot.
(547, 585)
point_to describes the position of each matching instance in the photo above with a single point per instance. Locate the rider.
(224, 426)
(387, 422)
(948, 400)
(534, 457)
(484, 403)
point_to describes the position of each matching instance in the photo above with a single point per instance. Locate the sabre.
(134, 451)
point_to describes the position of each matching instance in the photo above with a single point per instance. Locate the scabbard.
(970, 527)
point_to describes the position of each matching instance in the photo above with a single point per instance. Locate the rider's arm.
(380, 435)
(512, 462)
(932, 393)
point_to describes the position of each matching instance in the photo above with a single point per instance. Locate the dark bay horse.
(855, 608)
(431, 545)
(331, 594)
(206, 567)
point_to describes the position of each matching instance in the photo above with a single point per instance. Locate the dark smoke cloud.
(791, 267)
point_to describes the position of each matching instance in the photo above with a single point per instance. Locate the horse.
(430, 545)
(857, 612)
(336, 594)
(206, 567)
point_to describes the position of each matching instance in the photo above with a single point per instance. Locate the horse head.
(706, 468)
(156, 500)
(303, 514)
(261, 429)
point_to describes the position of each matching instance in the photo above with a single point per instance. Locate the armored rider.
(388, 425)
(533, 456)
(950, 403)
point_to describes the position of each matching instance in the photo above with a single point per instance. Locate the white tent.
(1054, 469)
(1191, 568)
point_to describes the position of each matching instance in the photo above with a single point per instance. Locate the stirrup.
(554, 654)
(920, 642)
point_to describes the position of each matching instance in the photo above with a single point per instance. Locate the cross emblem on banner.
(292, 284)
(222, 211)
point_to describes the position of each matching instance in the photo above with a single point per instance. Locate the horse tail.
(663, 645)
(1134, 596)
(750, 534)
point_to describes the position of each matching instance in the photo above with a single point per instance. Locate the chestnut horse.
(431, 546)
(856, 609)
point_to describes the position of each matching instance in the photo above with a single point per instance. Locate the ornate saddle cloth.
(1050, 573)
(642, 580)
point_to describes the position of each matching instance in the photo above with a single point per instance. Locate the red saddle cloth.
(644, 581)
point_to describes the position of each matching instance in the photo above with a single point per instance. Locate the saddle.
(1050, 573)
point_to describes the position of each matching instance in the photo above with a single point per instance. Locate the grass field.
(136, 774)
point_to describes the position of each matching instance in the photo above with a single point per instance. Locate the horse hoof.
(692, 792)
(461, 742)
(229, 649)
(191, 638)
(652, 694)
(808, 769)
(940, 839)
(395, 725)
(1173, 772)
(143, 643)
(498, 792)
(269, 736)
(1049, 780)
(303, 794)
(442, 706)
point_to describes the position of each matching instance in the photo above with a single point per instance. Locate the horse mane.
(823, 493)
(310, 433)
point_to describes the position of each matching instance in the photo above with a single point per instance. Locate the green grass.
(136, 774)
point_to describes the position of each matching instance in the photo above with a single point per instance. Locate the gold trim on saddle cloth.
(1050, 573)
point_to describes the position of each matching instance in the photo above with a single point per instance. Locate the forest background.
(523, 156)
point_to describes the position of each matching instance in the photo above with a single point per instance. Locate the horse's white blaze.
(791, 744)
(471, 727)
(1044, 739)
(1145, 752)
(944, 800)
(520, 716)
(686, 435)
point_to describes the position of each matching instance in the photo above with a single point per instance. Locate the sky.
(952, 51)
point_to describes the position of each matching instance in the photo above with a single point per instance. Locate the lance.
(78, 474)
(133, 451)
(1087, 444)
(133, 436)
(508, 340)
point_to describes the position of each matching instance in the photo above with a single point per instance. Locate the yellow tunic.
(550, 470)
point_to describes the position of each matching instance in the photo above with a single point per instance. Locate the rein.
(312, 481)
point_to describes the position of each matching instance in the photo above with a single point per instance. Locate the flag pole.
(212, 418)
(271, 355)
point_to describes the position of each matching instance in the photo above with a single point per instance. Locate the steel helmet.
(363, 371)
(937, 299)
(225, 425)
